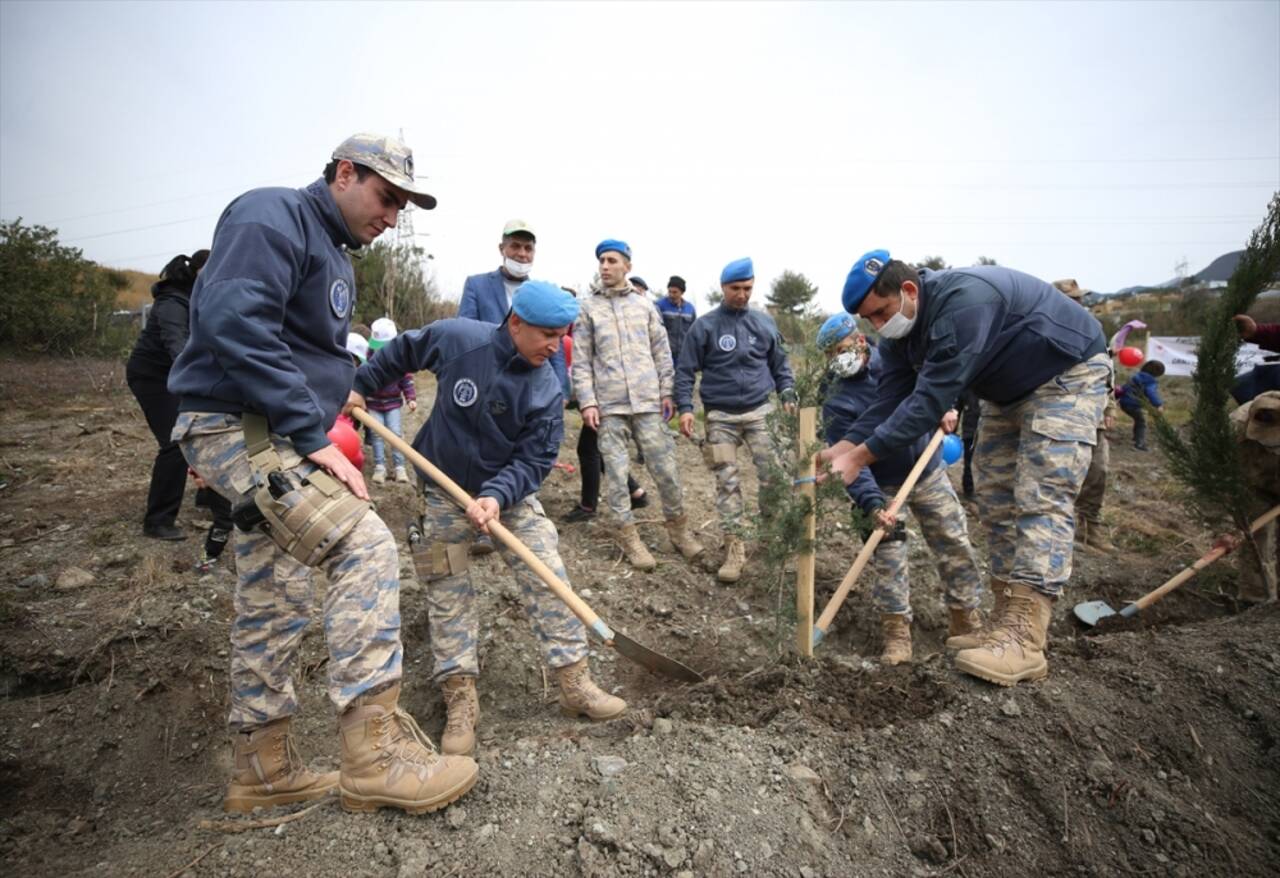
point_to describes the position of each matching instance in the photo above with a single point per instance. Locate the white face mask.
(847, 364)
(517, 269)
(897, 326)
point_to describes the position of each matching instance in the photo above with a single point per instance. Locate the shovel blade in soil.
(656, 662)
(1093, 612)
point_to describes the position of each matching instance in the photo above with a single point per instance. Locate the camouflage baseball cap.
(390, 158)
(1071, 288)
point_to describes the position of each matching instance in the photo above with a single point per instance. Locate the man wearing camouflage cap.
(495, 429)
(266, 368)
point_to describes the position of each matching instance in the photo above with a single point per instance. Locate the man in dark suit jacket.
(487, 297)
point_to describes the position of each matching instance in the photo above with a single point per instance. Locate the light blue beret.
(738, 269)
(542, 303)
(613, 244)
(836, 328)
(862, 277)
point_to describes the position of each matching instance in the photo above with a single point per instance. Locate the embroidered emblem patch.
(727, 343)
(340, 298)
(465, 393)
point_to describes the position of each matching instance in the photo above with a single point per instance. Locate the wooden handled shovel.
(1093, 612)
(846, 585)
(641, 655)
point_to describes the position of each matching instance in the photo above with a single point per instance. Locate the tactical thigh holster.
(306, 517)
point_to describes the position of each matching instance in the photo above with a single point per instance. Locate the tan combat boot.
(678, 531)
(896, 631)
(387, 761)
(463, 705)
(1014, 650)
(735, 558)
(269, 771)
(1096, 537)
(580, 696)
(974, 639)
(965, 624)
(637, 555)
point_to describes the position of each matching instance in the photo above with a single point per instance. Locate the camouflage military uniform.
(455, 627)
(725, 432)
(1031, 459)
(274, 593)
(1092, 492)
(622, 365)
(1259, 439)
(944, 527)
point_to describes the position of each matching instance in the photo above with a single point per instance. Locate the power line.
(233, 188)
(139, 228)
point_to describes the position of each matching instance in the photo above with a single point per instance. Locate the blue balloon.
(952, 448)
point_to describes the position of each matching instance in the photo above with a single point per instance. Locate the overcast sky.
(1102, 141)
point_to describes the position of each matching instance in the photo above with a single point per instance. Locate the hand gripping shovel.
(1093, 612)
(846, 585)
(641, 655)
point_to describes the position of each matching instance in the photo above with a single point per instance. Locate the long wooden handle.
(1208, 558)
(846, 584)
(496, 528)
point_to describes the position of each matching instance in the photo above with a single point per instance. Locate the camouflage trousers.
(945, 529)
(1031, 460)
(1258, 581)
(451, 597)
(659, 451)
(275, 595)
(725, 432)
(1092, 492)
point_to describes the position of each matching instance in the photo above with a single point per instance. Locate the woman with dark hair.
(147, 372)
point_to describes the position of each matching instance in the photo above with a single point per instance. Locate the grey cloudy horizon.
(1105, 142)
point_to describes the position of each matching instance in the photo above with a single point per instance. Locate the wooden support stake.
(805, 562)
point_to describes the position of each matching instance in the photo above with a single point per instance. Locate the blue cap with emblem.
(862, 277)
(615, 245)
(738, 269)
(836, 328)
(542, 303)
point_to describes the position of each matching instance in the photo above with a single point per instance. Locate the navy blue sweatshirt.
(845, 401)
(270, 313)
(742, 359)
(999, 332)
(497, 422)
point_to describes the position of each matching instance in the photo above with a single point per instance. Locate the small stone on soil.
(610, 766)
(1009, 707)
(35, 580)
(73, 578)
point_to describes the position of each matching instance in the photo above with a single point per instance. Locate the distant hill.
(138, 293)
(1217, 271)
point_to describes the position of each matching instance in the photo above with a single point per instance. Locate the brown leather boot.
(637, 554)
(1096, 537)
(463, 705)
(269, 771)
(678, 531)
(896, 631)
(964, 623)
(735, 558)
(387, 761)
(1014, 650)
(580, 696)
(974, 639)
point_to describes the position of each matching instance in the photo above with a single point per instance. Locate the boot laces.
(401, 740)
(462, 711)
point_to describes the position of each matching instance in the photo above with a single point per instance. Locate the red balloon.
(347, 439)
(1131, 357)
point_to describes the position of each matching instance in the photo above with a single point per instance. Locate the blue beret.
(862, 277)
(836, 328)
(542, 303)
(613, 244)
(738, 269)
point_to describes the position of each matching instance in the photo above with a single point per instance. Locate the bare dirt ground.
(1149, 751)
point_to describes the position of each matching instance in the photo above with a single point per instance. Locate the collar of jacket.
(504, 351)
(616, 292)
(322, 199)
(734, 312)
(169, 288)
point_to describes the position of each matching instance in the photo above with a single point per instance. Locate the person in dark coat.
(162, 339)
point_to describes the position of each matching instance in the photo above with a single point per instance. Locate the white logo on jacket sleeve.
(340, 298)
(465, 393)
(727, 343)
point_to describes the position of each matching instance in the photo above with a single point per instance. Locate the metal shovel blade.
(656, 662)
(1093, 612)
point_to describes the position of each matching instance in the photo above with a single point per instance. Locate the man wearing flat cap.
(1038, 363)
(677, 315)
(623, 378)
(495, 429)
(260, 383)
(743, 361)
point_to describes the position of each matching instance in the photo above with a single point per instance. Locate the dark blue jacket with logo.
(742, 359)
(845, 401)
(484, 297)
(270, 313)
(497, 422)
(999, 332)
